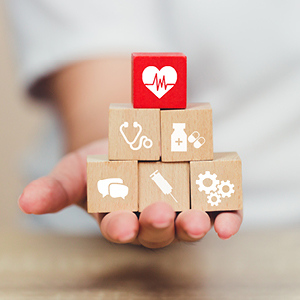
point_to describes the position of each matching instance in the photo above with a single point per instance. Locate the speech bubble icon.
(103, 185)
(118, 190)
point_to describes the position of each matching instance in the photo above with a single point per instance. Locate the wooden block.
(111, 185)
(187, 135)
(164, 182)
(134, 134)
(217, 185)
(159, 80)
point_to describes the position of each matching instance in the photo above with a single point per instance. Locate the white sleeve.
(50, 34)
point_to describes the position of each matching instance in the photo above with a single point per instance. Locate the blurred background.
(20, 121)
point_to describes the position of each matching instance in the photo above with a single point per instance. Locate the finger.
(120, 227)
(228, 223)
(157, 225)
(192, 225)
(64, 186)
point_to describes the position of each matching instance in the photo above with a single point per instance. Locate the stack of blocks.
(161, 149)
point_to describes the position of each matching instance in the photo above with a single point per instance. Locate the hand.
(157, 225)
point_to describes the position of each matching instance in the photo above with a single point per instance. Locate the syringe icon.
(162, 183)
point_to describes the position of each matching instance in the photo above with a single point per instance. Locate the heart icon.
(159, 82)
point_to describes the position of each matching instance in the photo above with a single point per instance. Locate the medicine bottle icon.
(178, 138)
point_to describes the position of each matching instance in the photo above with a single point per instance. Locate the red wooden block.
(159, 80)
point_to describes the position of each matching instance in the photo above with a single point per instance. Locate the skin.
(82, 93)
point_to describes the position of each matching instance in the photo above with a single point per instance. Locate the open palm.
(156, 227)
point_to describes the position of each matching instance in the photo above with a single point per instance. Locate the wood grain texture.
(197, 118)
(114, 194)
(176, 175)
(211, 181)
(149, 119)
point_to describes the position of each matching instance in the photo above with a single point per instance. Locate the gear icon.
(216, 197)
(212, 187)
(230, 189)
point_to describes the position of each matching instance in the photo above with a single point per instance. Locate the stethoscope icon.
(144, 141)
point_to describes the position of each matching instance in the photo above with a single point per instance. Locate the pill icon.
(196, 139)
(199, 142)
(193, 137)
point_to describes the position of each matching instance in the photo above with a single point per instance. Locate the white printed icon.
(159, 82)
(112, 187)
(162, 183)
(196, 139)
(215, 190)
(144, 141)
(179, 138)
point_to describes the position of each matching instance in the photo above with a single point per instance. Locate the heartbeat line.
(160, 83)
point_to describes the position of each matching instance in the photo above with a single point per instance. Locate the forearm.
(82, 93)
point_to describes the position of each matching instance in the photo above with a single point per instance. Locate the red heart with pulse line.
(159, 82)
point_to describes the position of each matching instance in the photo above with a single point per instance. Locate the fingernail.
(20, 197)
(20, 204)
(224, 237)
(127, 237)
(161, 225)
(196, 236)
(195, 232)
